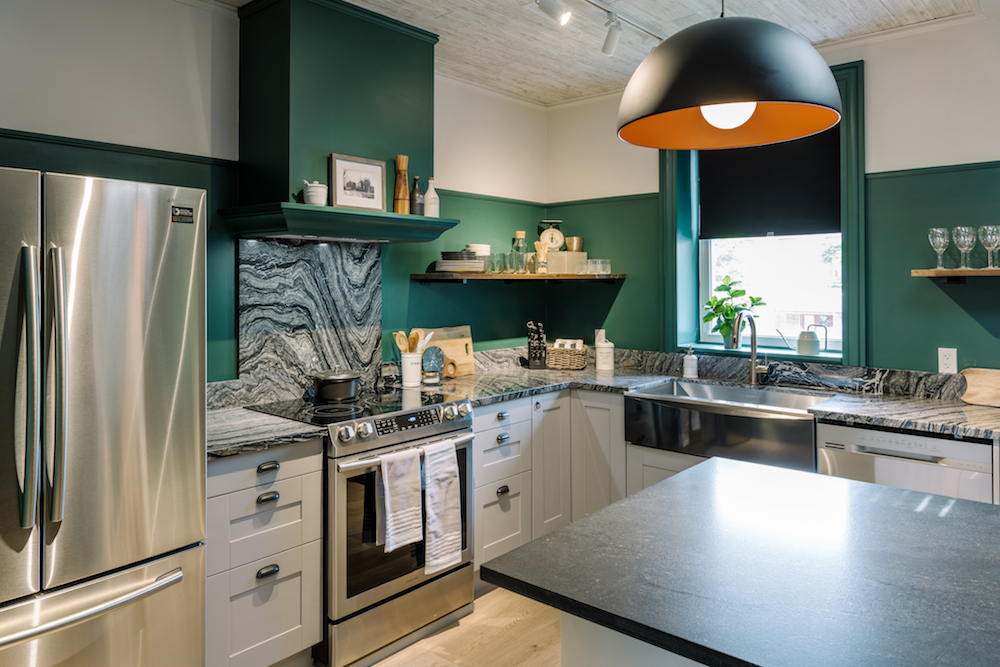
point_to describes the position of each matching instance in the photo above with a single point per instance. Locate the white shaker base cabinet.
(598, 450)
(646, 466)
(550, 463)
(264, 556)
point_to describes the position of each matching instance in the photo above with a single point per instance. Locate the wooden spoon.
(414, 340)
(401, 341)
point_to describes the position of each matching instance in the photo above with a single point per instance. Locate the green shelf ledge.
(304, 221)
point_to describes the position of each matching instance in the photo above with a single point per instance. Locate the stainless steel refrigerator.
(102, 422)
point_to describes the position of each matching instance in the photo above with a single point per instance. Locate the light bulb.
(728, 116)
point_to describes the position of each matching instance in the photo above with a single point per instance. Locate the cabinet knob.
(268, 467)
(537, 405)
(503, 415)
(268, 571)
(503, 490)
(503, 437)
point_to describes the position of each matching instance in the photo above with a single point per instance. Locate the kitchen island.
(732, 563)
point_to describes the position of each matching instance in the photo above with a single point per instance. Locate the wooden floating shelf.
(953, 273)
(508, 278)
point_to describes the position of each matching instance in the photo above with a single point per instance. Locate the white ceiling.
(512, 47)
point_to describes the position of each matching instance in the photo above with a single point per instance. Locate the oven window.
(368, 566)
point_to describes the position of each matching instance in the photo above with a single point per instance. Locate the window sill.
(782, 353)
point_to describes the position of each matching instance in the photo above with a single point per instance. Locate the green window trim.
(678, 220)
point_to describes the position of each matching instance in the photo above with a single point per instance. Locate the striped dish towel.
(399, 500)
(443, 541)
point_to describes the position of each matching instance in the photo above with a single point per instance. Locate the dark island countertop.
(732, 563)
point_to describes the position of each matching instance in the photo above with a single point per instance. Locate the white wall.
(931, 97)
(587, 160)
(493, 144)
(156, 74)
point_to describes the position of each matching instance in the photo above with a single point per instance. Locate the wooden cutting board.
(456, 343)
(982, 386)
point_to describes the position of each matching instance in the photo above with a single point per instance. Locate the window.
(798, 277)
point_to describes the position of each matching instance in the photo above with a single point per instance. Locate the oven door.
(360, 573)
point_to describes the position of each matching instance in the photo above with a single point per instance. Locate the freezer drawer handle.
(268, 467)
(32, 324)
(60, 317)
(267, 497)
(268, 571)
(503, 437)
(503, 490)
(90, 613)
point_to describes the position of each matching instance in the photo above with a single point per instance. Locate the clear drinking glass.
(989, 236)
(520, 264)
(938, 236)
(496, 262)
(509, 262)
(965, 240)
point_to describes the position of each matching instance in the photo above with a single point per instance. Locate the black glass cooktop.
(367, 405)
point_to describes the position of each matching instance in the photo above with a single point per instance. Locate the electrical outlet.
(947, 360)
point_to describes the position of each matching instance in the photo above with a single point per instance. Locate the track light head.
(555, 10)
(614, 35)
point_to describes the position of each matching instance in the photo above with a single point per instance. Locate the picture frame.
(357, 182)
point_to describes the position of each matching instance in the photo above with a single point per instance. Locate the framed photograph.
(356, 182)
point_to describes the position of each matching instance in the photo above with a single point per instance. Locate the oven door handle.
(374, 460)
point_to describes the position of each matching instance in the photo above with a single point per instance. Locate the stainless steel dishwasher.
(756, 424)
(928, 463)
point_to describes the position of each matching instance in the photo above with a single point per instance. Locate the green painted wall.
(909, 318)
(217, 177)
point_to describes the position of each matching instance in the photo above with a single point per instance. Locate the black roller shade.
(784, 189)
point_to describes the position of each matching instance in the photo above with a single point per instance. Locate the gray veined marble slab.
(912, 414)
(237, 431)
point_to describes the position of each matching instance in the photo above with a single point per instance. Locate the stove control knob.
(365, 430)
(464, 409)
(345, 433)
(450, 412)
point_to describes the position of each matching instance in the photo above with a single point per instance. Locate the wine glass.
(989, 236)
(965, 240)
(938, 236)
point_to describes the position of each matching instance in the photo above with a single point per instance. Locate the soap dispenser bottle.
(690, 363)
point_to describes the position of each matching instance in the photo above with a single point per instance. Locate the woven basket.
(561, 359)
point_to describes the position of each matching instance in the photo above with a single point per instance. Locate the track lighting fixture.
(555, 10)
(614, 35)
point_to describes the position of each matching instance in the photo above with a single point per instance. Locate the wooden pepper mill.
(401, 199)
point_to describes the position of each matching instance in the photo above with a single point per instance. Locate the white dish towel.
(443, 533)
(398, 506)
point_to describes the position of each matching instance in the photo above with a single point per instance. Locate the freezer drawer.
(155, 617)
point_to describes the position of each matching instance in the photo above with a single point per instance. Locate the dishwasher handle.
(915, 457)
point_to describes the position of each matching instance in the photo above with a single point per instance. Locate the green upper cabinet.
(320, 77)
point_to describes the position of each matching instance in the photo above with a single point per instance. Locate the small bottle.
(690, 363)
(416, 198)
(432, 203)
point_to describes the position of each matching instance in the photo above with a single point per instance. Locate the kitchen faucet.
(754, 368)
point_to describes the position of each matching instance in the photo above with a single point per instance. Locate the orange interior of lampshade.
(687, 129)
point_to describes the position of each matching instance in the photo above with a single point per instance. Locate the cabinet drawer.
(504, 413)
(503, 520)
(241, 529)
(256, 621)
(235, 473)
(502, 452)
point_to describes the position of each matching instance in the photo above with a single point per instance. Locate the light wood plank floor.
(506, 629)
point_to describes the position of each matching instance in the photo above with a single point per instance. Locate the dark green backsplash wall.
(618, 229)
(910, 318)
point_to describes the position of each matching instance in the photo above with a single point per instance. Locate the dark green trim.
(922, 171)
(351, 10)
(115, 148)
(782, 353)
(326, 222)
(585, 202)
(669, 192)
(608, 200)
(854, 235)
(490, 198)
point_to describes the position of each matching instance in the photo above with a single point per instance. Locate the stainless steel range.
(377, 601)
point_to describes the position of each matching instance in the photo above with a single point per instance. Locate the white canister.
(411, 368)
(605, 352)
(314, 194)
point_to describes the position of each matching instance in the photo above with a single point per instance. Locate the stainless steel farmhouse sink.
(756, 424)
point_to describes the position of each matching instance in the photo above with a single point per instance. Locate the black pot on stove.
(335, 386)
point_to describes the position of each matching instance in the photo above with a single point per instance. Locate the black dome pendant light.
(769, 83)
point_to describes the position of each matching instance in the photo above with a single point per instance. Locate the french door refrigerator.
(102, 422)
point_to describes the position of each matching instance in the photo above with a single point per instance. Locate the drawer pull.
(503, 490)
(268, 467)
(503, 437)
(267, 571)
(503, 415)
(267, 497)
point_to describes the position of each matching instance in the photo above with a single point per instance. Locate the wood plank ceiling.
(512, 47)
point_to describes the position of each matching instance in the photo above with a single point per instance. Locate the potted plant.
(724, 307)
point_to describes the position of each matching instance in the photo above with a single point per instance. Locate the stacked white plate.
(479, 248)
(460, 265)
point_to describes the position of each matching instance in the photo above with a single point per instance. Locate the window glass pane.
(798, 277)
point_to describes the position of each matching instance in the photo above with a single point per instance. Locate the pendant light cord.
(723, 14)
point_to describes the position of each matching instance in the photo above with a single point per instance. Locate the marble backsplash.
(303, 306)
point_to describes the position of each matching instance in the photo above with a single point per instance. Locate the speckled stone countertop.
(762, 566)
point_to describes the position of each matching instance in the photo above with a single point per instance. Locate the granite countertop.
(731, 563)
(237, 431)
(913, 414)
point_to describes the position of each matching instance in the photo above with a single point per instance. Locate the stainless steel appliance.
(375, 599)
(102, 422)
(755, 424)
(929, 464)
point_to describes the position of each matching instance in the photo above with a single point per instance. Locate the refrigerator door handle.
(32, 436)
(84, 615)
(60, 316)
